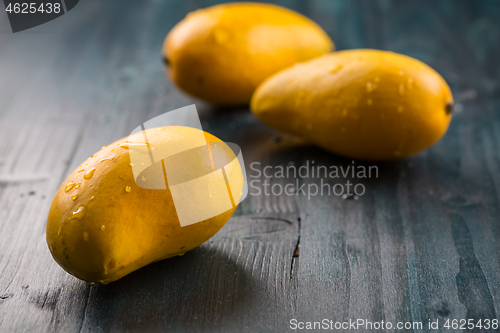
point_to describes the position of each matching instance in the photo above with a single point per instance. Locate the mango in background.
(363, 104)
(222, 53)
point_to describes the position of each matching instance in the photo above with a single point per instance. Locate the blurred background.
(93, 59)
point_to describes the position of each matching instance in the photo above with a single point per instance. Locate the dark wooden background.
(422, 243)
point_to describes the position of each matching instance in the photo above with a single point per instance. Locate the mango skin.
(122, 231)
(363, 104)
(220, 54)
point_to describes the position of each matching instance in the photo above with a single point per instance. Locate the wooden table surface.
(421, 244)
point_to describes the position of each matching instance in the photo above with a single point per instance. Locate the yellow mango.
(363, 104)
(102, 226)
(220, 54)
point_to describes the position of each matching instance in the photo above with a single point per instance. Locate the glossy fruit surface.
(363, 104)
(221, 53)
(103, 226)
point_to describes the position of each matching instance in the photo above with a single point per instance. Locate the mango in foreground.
(102, 225)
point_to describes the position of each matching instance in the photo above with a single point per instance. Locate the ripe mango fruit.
(220, 54)
(363, 104)
(102, 226)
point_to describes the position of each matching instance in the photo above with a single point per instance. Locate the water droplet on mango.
(79, 214)
(410, 83)
(128, 189)
(74, 196)
(128, 145)
(89, 173)
(370, 87)
(69, 186)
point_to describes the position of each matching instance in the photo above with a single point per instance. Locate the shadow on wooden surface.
(182, 294)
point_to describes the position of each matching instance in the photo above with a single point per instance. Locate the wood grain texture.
(422, 243)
